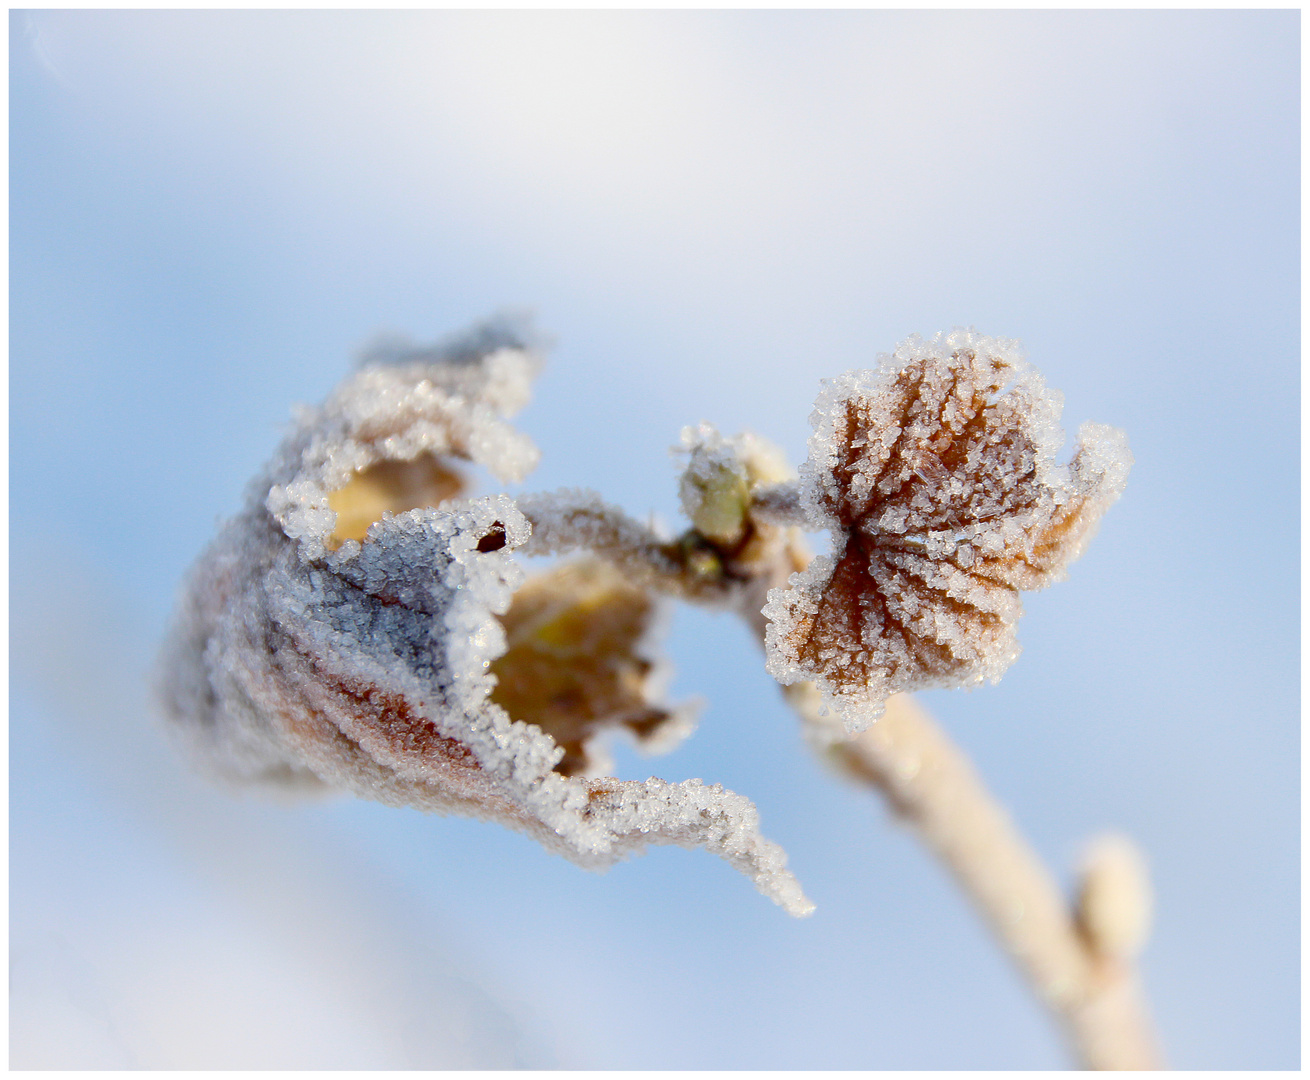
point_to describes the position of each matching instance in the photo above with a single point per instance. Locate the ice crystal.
(344, 630)
(936, 474)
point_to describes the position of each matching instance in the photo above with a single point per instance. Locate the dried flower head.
(936, 474)
(345, 630)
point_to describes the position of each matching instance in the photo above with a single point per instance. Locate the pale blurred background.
(709, 212)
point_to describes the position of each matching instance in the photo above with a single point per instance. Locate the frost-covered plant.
(365, 622)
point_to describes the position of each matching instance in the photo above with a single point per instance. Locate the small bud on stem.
(1114, 898)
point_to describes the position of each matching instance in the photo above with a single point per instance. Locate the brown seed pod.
(310, 651)
(936, 475)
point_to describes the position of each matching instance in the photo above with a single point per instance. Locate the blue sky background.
(710, 212)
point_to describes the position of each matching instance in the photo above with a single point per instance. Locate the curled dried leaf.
(936, 475)
(310, 651)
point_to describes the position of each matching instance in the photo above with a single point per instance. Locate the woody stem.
(931, 785)
(564, 521)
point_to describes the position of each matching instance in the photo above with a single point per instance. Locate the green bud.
(718, 502)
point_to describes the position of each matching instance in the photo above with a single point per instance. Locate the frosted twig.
(931, 785)
(580, 520)
(780, 504)
(937, 476)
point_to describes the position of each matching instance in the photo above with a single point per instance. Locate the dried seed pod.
(309, 651)
(936, 475)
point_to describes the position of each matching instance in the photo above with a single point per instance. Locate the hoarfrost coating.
(936, 475)
(341, 630)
